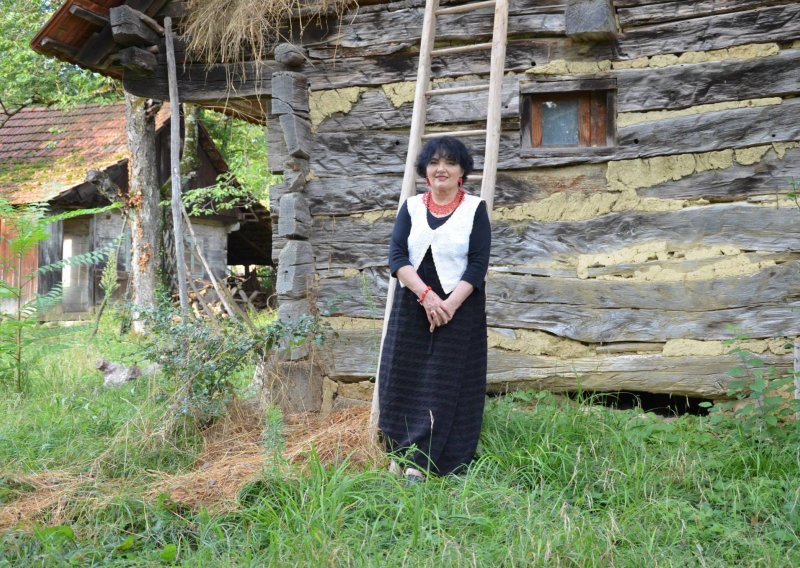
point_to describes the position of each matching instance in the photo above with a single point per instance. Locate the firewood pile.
(245, 291)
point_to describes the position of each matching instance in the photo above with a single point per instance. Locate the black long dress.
(432, 386)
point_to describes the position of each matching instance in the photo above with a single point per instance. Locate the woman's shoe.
(412, 480)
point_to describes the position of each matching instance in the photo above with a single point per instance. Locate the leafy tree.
(244, 147)
(27, 78)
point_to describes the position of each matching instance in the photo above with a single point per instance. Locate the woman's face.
(444, 173)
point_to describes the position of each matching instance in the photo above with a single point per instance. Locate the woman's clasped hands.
(439, 312)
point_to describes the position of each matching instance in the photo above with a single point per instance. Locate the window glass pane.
(559, 122)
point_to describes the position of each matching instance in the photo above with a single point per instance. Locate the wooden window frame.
(596, 116)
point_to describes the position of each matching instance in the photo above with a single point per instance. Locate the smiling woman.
(433, 368)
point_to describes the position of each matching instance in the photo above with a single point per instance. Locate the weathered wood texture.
(356, 152)
(352, 243)
(356, 194)
(771, 175)
(638, 90)
(599, 311)
(632, 13)
(354, 357)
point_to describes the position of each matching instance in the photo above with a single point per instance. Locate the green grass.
(556, 484)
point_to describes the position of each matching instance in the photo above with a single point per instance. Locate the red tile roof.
(46, 151)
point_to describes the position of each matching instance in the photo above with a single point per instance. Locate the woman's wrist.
(421, 297)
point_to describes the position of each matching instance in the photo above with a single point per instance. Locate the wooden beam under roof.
(87, 14)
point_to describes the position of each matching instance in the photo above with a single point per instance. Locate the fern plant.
(23, 339)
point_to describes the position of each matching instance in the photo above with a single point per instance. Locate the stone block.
(292, 310)
(289, 93)
(361, 390)
(342, 403)
(297, 386)
(591, 20)
(294, 217)
(328, 394)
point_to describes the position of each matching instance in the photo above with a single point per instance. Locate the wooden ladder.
(419, 118)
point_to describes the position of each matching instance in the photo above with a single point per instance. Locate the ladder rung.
(454, 90)
(461, 49)
(473, 177)
(479, 132)
(465, 8)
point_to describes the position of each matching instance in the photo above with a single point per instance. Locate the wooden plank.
(201, 82)
(772, 24)
(649, 13)
(354, 152)
(769, 176)
(354, 353)
(672, 87)
(129, 29)
(353, 243)
(680, 86)
(357, 194)
(772, 286)
(405, 26)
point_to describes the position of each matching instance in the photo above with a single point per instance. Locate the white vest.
(449, 243)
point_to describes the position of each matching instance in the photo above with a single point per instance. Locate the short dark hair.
(446, 147)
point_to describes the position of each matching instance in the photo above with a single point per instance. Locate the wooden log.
(129, 29)
(295, 270)
(769, 175)
(200, 82)
(673, 87)
(354, 243)
(679, 86)
(289, 93)
(355, 152)
(405, 26)
(294, 219)
(355, 194)
(354, 354)
(632, 14)
(297, 134)
(598, 311)
(769, 24)
(175, 158)
(138, 60)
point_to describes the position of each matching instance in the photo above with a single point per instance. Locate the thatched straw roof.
(234, 31)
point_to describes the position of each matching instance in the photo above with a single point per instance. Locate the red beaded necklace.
(442, 210)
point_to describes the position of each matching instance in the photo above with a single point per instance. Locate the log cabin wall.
(622, 268)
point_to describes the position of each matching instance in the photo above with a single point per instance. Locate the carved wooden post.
(300, 385)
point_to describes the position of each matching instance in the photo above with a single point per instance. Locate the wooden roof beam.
(86, 14)
(129, 28)
(55, 45)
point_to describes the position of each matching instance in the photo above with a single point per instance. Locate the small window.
(568, 117)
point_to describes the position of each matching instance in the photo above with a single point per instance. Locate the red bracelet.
(425, 293)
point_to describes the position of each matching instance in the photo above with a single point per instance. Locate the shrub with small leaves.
(204, 357)
(763, 405)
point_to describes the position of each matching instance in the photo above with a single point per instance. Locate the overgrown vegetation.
(23, 339)
(556, 483)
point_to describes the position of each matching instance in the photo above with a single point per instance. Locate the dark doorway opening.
(658, 403)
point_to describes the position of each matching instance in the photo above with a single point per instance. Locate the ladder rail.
(409, 187)
(493, 113)
(419, 118)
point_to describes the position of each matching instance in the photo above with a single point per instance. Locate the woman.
(432, 380)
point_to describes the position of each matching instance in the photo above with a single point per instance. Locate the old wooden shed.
(641, 218)
(45, 154)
